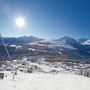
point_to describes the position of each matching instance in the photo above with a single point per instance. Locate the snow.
(31, 49)
(87, 42)
(44, 81)
(57, 43)
(47, 76)
(15, 46)
(54, 43)
(19, 47)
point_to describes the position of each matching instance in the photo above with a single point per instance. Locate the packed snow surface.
(44, 81)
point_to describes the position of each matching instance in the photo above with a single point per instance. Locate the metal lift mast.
(5, 47)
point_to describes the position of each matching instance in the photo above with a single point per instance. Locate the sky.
(47, 19)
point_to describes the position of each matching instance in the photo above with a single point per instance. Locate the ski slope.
(44, 81)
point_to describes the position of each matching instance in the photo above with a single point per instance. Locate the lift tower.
(5, 47)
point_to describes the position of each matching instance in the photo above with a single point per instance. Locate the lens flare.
(20, 22)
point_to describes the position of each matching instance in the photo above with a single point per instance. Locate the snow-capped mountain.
(31, 45)
(69, 46)
(64, 42)
(68, 42)
(20, 40)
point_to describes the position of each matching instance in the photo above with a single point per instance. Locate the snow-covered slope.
(87, 42)
(57, 43)
(43, 81)
(65, 42)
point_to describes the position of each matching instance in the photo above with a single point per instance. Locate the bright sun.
(20, 22)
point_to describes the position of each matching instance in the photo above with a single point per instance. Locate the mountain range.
(72, 48)
(20, 40)
(28, 39)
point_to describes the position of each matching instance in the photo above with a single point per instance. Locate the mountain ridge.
(21, 46)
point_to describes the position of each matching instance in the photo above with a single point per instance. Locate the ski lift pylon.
(5, 47)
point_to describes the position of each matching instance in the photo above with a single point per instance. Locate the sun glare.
(20, 22)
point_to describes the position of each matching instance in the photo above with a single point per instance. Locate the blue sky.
(46, 18)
